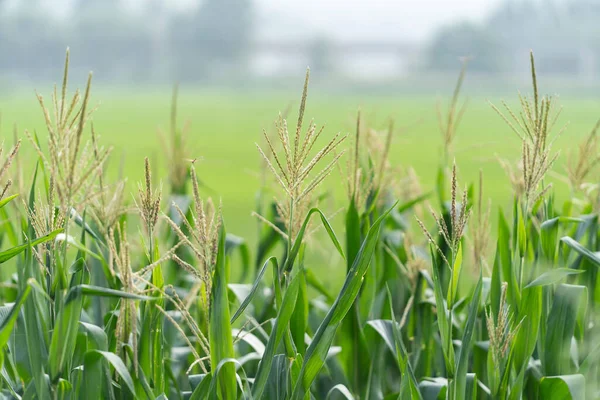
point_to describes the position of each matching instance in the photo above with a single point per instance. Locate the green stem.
(451, 304)
(290, 233)
(522, 260)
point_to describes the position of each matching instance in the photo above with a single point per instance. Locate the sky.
(367, 19)
(411, 20)
(350, 20)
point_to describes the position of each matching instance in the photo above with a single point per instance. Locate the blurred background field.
(224, 127)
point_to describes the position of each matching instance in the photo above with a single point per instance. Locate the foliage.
(91, 313)
(115, 38)
(564, 34)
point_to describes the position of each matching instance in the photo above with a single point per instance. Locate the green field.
(224, 128)
(475, 306)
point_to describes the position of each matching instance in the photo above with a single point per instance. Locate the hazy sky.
(351, 19)
(363, 19)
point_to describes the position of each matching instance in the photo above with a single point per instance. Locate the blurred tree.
(465, 40)
(564, 35)
(122, 43)
(223, 28)
(214, 40)
(29, 40)
(320, 55)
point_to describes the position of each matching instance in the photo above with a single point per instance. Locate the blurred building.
(358, 60)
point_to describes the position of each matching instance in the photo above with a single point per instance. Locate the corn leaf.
(565, 387)
(284, 314)
(553, 276)
(289, 262)
(573, 244)
(8, 199)
(221, 340)
(561, 324)
(317, 351)
(10, 253)
(93, 372)
(252, 293)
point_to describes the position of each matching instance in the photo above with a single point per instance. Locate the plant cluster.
(149, 300)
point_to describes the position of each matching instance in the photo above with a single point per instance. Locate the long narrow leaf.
(253, 290)
(221, 340)
(316, 353)
(10, 253)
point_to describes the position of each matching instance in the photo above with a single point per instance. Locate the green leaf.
(79, 220)
(10, 253)
(553, 276)
(254, 342)
(278, 380)
(289, 262)
(549, 235)
(565, 387)
(433, 388)
(79, 246)
(457, 267)
(284, 314)
(220, 369)
(34, 319)
(253, 290)
(63, 389)
(389, 330)
(549, 238)
(353, 234)
(440, 184)
(573, 244)
(411, 203)
(93, 372)
(355, 352)
(472, 385)
(62, 344)
(409, 383)
(299, 320)
(221, 340)
(496, 282)
(9, 319)
(64, 336)
(7, 200)
(561, 323)
(459, 384)
(521, 232)
(505, 258)
(317, 350)
(96, 335)
(530, 313)
(385, 329)
(591, 359)
(201, 392)
(442, 318)
(341, 389)
(90, 290)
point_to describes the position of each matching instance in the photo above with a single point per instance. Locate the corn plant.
(153, 299)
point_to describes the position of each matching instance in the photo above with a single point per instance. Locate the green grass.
(225, 127)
